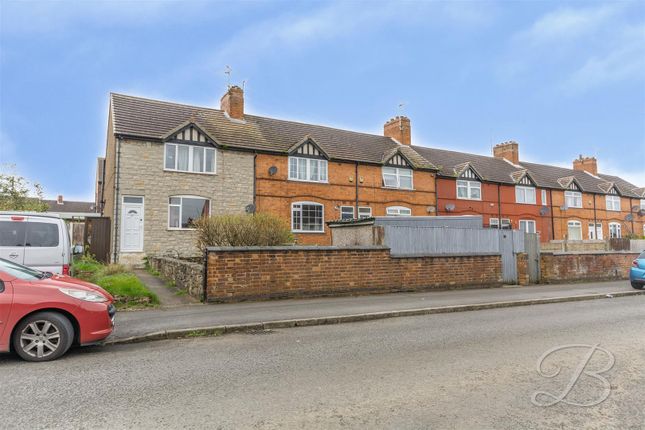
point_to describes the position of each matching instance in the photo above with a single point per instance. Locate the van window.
(42, 234)
(12, 233)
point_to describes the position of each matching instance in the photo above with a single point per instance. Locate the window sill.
(397, 188)
(526, 203)
(309, 182)
(466, 198)
(191, 173)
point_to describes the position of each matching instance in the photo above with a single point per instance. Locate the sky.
(561, 78)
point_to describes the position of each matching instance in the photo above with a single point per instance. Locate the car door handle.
(13, 255)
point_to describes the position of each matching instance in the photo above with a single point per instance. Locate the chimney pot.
(398, 128)
(509, 150)
(586, 164)
(232, 102)
(59, 199)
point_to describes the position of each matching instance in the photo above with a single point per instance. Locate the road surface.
(465, 370)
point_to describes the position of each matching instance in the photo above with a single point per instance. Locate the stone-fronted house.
(167, 164)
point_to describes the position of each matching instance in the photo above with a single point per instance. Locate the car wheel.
(637, 286)
(43, 336)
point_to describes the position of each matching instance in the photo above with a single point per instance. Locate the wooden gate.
(532, 248)
(97, 238)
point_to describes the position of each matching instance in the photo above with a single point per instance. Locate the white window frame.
(612, 203)
(544, 198)
(396, 211)
(210, 209)
(643, 206)
(322, 168)
(506, 224)
(191, 149)
(617, 233)
(575, 224)
(397, 173)
(574, 197)
(595, 231)
(522, 193)
(527, 223)
(363, 209)
(493, 223)
(300, 230)
(345, 208)
(469, 186)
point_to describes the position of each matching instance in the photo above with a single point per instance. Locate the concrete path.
(140, 323)
(166, 294)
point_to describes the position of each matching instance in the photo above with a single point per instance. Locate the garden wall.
(186, 275)
(256, 273)
(558, 267)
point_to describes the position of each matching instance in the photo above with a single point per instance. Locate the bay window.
(307, 169)
(397, 177)
(189, 158)
(307, 217)
(184, 210)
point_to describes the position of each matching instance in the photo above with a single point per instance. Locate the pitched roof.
(153, 119)
(70, 207)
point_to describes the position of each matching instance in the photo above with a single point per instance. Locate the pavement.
(467, 370)
(179, 321)
(167, 294)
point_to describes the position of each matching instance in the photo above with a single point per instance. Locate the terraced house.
(167, 164)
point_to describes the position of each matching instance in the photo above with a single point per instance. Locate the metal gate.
(509, 263)
(532, 247)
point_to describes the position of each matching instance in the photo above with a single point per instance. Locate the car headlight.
(88, 296)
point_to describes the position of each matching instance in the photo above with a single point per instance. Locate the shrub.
(242, 230)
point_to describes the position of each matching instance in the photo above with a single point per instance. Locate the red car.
(42, 315)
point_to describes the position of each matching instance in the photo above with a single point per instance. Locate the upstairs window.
(573, 199)
(189, 158)
(307, 217)
(397, 177)
(643, 206)
(544, 200)
(307, 169)
(398, 211)
(525, 195)
(613, 203)
(469, 190)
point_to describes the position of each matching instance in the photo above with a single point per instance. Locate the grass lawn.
(128, 291)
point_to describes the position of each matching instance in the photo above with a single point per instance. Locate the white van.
(36, 240)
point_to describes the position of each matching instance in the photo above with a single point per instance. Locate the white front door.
(132, 224)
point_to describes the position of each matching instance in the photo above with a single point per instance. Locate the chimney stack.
(398, 128)
(509, 151)
(59, 199)
(233, 102)
(586, 164)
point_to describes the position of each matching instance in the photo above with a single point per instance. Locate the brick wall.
(236, 274)
(593, 266)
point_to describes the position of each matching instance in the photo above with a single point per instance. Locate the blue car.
(637, 272)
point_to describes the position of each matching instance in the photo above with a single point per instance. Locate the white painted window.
(398, 211)
(397, 177)
(189, 158)
(544, 199)
(615, 230)
(469, 190)
(307, 217)
(574, 230)
(493, 223)
(347, 212)
(595, 231)
(613, 203)
(307, 169)
(573, 199)
(364, 212)
(643, 206)
(184, 210)
(527, 226)
(525, 195)
(506, 224)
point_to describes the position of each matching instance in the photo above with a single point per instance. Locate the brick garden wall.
(236, 274)
(592, 266)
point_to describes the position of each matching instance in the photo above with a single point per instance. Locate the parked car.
(43, 314)
(40, 241)
(637, 272)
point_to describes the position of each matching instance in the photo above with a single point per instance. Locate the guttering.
(595, 220)
(356, 182)
(117, 168)
(552, 216)
(255, 157)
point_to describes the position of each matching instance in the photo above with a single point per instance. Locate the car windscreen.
(12, 233)
(20, 271)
